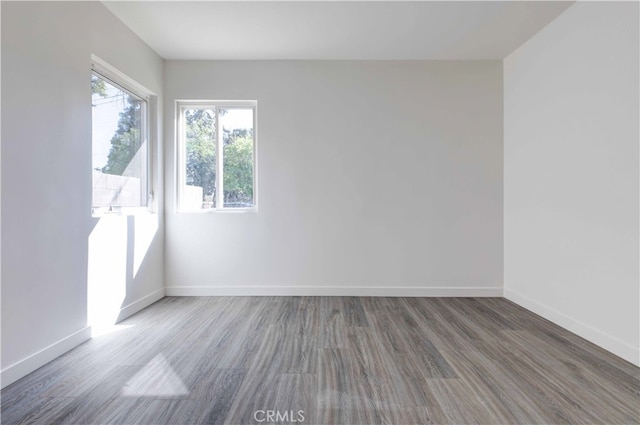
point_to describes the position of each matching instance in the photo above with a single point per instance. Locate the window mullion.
(182, 155)
(145, 195)
(219, 165)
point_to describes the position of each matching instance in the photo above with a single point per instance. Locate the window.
(216, 154)
(120, 152)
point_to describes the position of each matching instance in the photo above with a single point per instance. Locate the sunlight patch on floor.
(156, 379)
(104, 329)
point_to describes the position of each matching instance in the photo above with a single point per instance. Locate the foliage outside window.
(119, 147)
(217, 165)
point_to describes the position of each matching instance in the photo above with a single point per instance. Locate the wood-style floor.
(339, 360)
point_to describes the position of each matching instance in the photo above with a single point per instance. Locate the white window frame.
(181, 171)
(123, 82)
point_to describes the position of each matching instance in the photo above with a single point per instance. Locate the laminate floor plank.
(382, 324)
(369, 354)
(79, 382)
(238, 351)
(121, 410)
(543, 394)
(214, 395)
(412, 345)
(436, 325)
(337, 380)
(286, 311)
(280, 352)
(597, 356)
(373, 304)
(484, 318)
(340, 360)
(240, 338)
(594, 358)
(610, 403)
(307, 323)
(39, 410)
(34, 385)
(296, 396)
(430, 361)
(500, 394)
(257, 392)
(128, 410)
(353, 312)
(332, 332)
(83, 409)
(459, 404)
(469, 332)
(611, 369)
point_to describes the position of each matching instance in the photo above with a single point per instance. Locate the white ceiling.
(209, 30)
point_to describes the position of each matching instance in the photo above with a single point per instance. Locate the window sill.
(133, 211)
(221, 210)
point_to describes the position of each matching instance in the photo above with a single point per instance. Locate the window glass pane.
(200, 156)
(119, 147)
(237, 135)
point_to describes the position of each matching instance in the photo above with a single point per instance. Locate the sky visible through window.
(106, 112)
(237, 119)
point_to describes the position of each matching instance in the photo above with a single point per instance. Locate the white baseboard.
(27, 365)
(138, 305)
(596, 336)
(345, 291)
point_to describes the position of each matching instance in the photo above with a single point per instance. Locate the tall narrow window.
(120, 154)
(217, 156)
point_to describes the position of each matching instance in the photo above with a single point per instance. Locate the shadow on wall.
(118, 246)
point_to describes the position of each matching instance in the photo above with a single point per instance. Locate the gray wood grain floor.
(330, 360)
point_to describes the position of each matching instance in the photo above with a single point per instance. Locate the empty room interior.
(321, 212)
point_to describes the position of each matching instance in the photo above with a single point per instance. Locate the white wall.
(571, 174)
(46, 181)
(373, 178)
